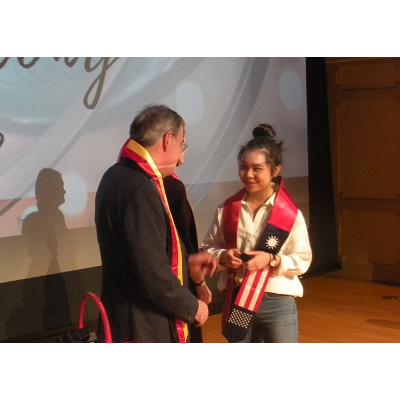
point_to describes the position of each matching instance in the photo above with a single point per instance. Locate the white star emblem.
(272, 242)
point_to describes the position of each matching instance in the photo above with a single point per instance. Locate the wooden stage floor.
(335, 310)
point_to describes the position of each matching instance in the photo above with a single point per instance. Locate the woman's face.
(254, 172)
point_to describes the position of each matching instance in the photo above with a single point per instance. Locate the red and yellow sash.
(236, 317)
(135, 152)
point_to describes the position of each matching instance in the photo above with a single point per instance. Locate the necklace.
(258, 204)
(254, 198)
(254, 206)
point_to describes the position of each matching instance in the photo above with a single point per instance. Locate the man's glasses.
(184, 147)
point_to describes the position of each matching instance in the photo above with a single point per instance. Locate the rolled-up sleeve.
(296, 252)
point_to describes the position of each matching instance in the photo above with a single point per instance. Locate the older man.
(144, 264)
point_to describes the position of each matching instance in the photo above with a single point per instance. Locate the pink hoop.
(103, 314)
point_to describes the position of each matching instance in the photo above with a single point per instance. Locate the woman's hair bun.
(264, 139)
(264, 131)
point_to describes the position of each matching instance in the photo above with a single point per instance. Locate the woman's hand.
(260, 260)
(230, 258)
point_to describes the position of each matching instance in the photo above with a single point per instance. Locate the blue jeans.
(275, 321)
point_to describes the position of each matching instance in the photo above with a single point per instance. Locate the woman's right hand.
(230, 258)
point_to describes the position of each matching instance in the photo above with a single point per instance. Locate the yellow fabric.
(142, 152)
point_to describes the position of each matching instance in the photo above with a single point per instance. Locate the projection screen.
(71, 116)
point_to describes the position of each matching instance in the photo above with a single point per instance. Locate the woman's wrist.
(273, 262)
(222, 257)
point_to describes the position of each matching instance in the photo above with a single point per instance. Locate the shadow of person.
(52, 248)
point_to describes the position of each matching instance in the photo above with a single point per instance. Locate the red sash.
(135, 152)
(236, 317)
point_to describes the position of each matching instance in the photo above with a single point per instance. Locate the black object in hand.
(245, 257)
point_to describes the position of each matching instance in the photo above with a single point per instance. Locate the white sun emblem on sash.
(272, 242)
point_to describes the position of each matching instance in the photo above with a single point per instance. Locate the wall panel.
(363, 97)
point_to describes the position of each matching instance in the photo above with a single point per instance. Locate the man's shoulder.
(173, 184)
(128, 175)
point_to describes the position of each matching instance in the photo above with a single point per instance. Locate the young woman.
(261, 241)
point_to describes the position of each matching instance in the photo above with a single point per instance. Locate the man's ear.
(167, 138)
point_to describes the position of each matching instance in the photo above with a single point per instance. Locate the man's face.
(183, 152)
(174, 152)
(178, 143)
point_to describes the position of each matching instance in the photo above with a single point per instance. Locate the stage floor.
(335, 310)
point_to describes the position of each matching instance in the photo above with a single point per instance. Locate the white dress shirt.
(295, 253)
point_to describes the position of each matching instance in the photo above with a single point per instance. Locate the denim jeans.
(275, 321)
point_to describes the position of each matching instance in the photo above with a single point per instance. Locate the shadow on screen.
(50, 246)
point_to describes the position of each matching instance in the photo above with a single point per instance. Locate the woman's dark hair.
(264, 139)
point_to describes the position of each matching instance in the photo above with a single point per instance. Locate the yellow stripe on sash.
(142, 152)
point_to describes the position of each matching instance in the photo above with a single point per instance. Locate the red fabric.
(144, 164)
(230, 221)
(282, 216)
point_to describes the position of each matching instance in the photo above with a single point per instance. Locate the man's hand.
(204, 293)
(201, 264)
(202, 313)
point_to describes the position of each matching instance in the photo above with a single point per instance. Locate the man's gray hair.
(153, 122)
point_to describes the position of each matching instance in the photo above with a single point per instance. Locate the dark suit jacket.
(140, 293)
(181, 212)
(186, 226)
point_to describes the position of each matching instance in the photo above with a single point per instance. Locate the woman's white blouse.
(295, 253)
